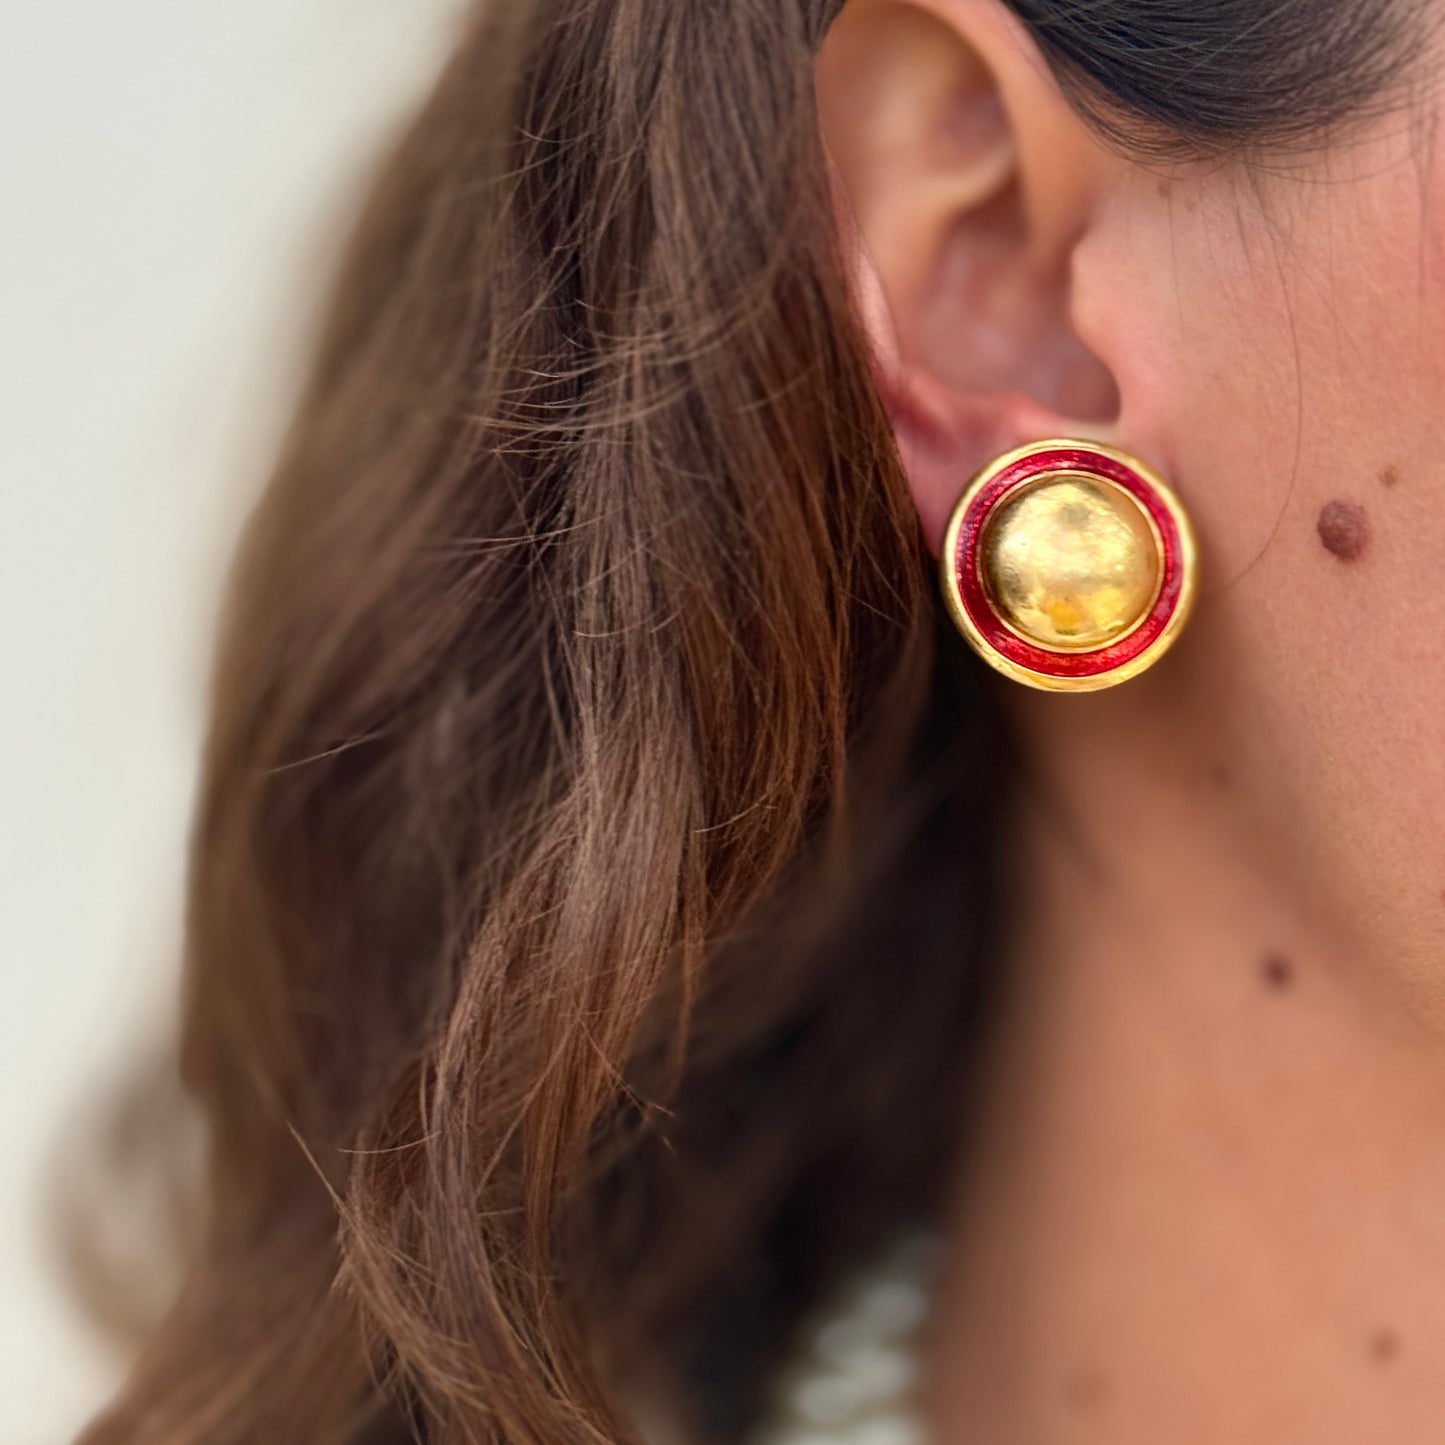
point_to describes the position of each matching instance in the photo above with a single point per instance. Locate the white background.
(172, 177)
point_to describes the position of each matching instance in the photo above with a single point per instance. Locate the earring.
(1069, 566)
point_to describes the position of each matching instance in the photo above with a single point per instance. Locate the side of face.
(1282, 352)
(1269, 333)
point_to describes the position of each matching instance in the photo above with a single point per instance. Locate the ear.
(966, 184)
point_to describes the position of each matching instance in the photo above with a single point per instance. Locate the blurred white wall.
(171, 177)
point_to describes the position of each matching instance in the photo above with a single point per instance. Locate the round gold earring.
(1070, 566)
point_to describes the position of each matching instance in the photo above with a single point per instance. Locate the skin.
(1206, 1197)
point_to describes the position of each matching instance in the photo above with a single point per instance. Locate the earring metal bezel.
(1075, 670)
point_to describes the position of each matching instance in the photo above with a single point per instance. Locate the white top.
(854, 1382)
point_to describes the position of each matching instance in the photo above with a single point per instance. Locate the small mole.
(1344, 530)
(1166, 189)
(1221, 777)
(1384, 1347)
(1390, 476)
(1086, 1391)
(1277, 973)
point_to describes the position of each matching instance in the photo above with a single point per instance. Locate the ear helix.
(1070, 566)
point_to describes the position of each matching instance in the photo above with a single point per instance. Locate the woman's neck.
(1207, 1197)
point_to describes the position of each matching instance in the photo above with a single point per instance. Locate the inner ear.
(915, 100)
(996, 316)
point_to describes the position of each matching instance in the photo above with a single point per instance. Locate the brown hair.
(553, 992)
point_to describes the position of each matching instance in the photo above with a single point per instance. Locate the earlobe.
(961, 209)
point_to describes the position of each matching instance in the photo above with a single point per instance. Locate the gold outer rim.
(1045, 682)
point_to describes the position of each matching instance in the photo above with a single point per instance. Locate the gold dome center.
(1071, 562)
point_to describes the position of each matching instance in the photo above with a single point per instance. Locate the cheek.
(1286, 360)
(1284, 357)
